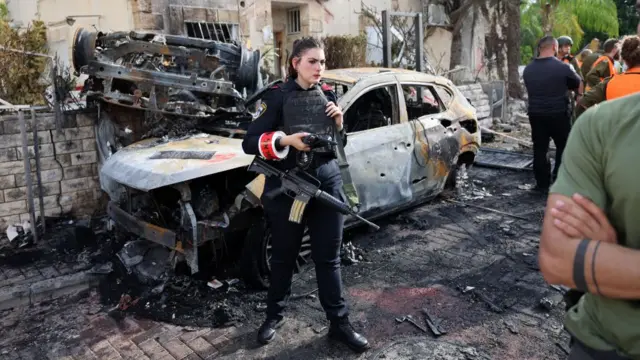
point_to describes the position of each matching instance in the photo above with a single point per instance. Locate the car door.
(379, 145)
(436, 146)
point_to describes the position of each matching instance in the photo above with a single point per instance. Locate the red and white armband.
(267, 146)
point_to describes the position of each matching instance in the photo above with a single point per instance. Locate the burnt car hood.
(153, 163)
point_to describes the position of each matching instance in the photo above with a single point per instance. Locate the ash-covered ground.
(469, 258)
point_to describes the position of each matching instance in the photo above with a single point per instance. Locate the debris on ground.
(487, 281)
(20, 234)
(546, 303)
(350, 254)
(511, 326)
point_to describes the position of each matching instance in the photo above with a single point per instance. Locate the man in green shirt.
(594, 245)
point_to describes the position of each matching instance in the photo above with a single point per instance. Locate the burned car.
(179, 178)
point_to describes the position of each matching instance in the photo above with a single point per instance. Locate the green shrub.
(21, 81)
(345, 51)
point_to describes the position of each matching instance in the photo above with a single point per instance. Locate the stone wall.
(68, 166)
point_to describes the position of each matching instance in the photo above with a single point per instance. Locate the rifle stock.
(304, 190)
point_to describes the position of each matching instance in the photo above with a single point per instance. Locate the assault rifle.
(304, 187)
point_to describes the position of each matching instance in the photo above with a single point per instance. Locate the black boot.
(267, 331)
(343, 331)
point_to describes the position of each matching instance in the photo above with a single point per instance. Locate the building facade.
(268, 25)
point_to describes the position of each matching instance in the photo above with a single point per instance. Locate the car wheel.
(256, 256)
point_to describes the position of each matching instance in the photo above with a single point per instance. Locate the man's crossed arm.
(578, 249)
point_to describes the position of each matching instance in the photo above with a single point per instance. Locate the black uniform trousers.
(325, 227)
(544, 128)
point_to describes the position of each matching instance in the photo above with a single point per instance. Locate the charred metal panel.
(132, 166)
(380, 161)
(143, 229)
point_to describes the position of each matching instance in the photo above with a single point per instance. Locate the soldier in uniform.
(603, 67)
(580, 59)
(290, 110)
(564, 52)
(620, 85)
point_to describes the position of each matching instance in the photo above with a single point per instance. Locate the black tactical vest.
(304, 111)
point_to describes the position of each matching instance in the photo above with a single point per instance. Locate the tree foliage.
(565, 17)
(21, 81)
(345, 51)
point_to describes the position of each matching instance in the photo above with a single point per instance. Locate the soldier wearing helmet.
(564, 52)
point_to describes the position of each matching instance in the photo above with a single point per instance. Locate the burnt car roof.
(353, 75)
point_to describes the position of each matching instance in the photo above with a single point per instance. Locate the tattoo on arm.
(593, 268)
(578, 266)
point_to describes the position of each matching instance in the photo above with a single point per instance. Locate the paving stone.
(177, 348)
(83, 353)
(190, 335)
(202, 347)
(31, 272)
(145, 324)
(63, 269)
(221, 342)
(154, 351)
(12, 273)
(170, 332)
(126, 348)
(192, 356)
(105, 351)
(148, 334)
(54, 288)
(214, 334)
(129, 327)
(103, 326)
(49, 272)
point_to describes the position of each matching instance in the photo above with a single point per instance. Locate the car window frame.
(442, 107)
(395, 114)
(448, 91)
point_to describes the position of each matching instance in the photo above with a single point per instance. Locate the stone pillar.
(143, 16)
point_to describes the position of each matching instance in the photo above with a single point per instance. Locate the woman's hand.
(583, 219)
(335, 112)
(295, 140)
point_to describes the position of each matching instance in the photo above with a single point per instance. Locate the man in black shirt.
(548, 81)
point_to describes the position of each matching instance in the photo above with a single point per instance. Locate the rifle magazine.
(297, 211)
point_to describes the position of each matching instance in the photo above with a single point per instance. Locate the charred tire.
(254, 265)
(84, 44)
(257, 254)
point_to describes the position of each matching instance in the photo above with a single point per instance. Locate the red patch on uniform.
(275, 87)
(326, 87)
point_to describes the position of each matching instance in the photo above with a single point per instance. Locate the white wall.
(105, 15)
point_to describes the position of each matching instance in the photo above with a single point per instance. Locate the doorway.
(281, 59)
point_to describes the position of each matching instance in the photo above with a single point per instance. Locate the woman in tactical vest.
(290, 111)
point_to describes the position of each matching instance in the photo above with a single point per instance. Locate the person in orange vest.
(620, 85)
(603, 67)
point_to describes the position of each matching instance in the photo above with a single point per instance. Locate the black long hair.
(299, 47)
